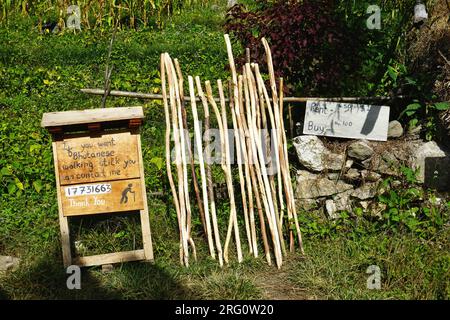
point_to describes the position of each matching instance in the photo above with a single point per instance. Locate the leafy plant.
(429, 112)
(310, 43)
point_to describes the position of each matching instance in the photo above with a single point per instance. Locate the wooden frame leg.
(146, 236)
(65, 240)
(145, 219)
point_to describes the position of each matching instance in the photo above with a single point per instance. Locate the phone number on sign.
(88, 189)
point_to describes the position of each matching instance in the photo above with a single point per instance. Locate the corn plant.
(96, 13)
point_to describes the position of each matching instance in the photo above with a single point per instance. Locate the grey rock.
(8, 263)
(352, 175)
(306, 204)
(310, 151)
(367, 191)
(331, 208)
(311, 186)
(348, 164)
(313, 155)
(333, 176)
(395, 129)
(341, 202)
(378, 164)
(333, 161)
(364, 205)
(370, 176)
(360, 150)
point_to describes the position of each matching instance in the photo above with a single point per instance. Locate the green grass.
(42, 73)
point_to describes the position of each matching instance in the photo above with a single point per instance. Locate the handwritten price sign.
(346, 120)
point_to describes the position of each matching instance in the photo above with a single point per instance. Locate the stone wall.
(349, 174)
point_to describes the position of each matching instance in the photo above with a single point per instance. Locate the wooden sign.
(103, 197)
(99, 171)
(104, 158)
(346, 120)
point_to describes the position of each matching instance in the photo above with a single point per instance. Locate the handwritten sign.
(87, 159)
(121, 195)
(98, 169)
(95, 172)
(355, 121)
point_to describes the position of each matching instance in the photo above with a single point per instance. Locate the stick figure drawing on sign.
(124, 198)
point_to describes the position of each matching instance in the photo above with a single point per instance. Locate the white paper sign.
(346, 120)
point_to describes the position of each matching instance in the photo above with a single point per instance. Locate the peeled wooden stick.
(179, 94)
(189, 149)
(288, 183)
(198, 139)
(241, 173)
(233, 215)
(258, 146)
(255, 173)
(209, 178)
(275, 107)
(265, 96)
(275, 99)
(168, 160)
(178, 160)
(243, 148)
(283, 161)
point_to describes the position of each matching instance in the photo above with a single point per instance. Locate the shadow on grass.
(46, 279)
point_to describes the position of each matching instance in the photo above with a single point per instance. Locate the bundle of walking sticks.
(264, 182)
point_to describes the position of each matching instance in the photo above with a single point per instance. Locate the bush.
(311, 45)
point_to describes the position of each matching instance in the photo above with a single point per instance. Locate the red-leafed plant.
(311, 46)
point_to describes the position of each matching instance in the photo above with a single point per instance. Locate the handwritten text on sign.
(356, 121)
(95, 159)
(114, 196)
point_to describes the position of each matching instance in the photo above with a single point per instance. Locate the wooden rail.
(151, 96)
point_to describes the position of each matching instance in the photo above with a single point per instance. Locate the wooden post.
(63, 221)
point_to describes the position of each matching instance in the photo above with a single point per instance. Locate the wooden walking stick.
(274, 93)
(265, 96)
(276, 103)
(284, 168)
(288, 183)
(233, 223)
(179, 94)
(168, 160)
(258, 146)
(209, 178)
(189, 149)
(254, 168)
(243, 148)
(198, 139)
(175, 127)
(241, 173)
